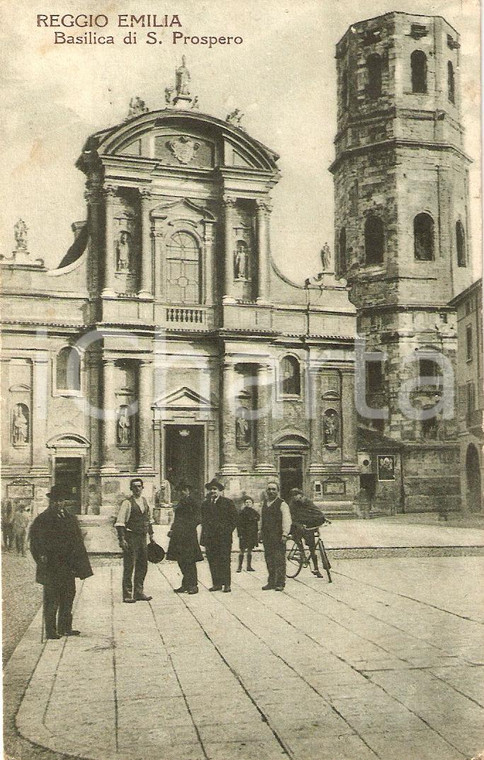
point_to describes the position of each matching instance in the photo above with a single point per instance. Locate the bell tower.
(402, 241)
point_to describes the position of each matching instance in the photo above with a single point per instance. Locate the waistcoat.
(138, 521)
(271, 528)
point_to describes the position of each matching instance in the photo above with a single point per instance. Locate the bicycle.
(298, 556)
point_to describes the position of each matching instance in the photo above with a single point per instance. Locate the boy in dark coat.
(183, 546)
(58, 549)
(219, 519)
(247, 530)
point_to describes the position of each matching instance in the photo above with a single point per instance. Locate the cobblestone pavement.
(385, 662)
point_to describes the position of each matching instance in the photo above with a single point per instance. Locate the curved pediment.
(180, 207)
(179, 139)
(292, 440)
(68, 441)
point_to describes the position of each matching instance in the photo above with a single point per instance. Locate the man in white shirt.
(133, 525)
(274, 531)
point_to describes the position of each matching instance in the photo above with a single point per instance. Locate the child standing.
(247, 530)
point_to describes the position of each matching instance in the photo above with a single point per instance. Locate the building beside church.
(168, 345)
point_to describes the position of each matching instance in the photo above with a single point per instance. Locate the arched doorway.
(473, 479)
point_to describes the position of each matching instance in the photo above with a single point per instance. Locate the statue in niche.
(326, 257)
(123, 252)
(331, 428)
(182, 79)
(241, 261)
(20, 233)
(20, 425)
(242, 429)
(124, 427)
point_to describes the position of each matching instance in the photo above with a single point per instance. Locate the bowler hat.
(214, 483)
(155, 552)
(296, 492)
(57, 492)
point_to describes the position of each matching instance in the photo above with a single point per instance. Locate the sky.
(282, 77)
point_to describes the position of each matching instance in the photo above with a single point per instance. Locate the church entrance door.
(184, 458)
(291, 471)
(68, 475)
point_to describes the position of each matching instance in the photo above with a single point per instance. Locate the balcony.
(184, 317)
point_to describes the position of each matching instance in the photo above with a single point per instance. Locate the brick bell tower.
(402, 236)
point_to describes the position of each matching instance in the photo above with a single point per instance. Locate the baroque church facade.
(168, 345)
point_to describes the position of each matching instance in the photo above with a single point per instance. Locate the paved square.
(385, 662)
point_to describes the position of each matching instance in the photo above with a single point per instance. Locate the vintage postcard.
(242, 380)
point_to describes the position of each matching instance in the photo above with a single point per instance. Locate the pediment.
(180, 207)
(183, 398)
(68, 441)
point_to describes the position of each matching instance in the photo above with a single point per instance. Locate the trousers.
(218, 556)
(135, 562)
(189, 573)
(59, 596)
(275, 557)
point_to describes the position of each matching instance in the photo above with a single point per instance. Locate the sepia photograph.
(242, 362)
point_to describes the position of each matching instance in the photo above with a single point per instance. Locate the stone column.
(263, 251)
(348, 421)
(265, 383)
(109, 417)
(145, 417)
(228, 296)
(109, 248)
(315, 421)
(227, 421)
(209, 269)
(94, 198)
(38, 417)
(146, 275)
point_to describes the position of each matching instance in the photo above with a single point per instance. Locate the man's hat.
(57, 492)
(155, 552)
(214, 483)
(296, 492)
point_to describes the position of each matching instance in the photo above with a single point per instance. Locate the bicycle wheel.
(324, 560)
(294, 559)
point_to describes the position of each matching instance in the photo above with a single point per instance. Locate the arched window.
(423, 237)
(429, 372)
(290, 376)
(374, 71)
(450, 82)
(183, 269)
(418, 64)
(344, 88)
(342, 252)
(460, 243)
(374, 240)
(68, 370)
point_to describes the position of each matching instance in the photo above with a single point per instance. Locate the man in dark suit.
(58, 549)
(219, 519)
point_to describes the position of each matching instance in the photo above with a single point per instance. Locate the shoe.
(129, 600)
(143, 598)
(215, 588)
(239, 570)
(317, 574)
(180, 590)
(72, 633)
(267, 588)
(251, 570)
(192, 590)
(53, 636)
(279, 588)
(227, 589)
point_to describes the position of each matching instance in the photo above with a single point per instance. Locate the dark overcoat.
(59, 539)
(247, 528)
(184, 546)
(219, 521)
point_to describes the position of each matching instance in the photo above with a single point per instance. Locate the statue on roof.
(234, 117)
(20, 233)
(169, 95)
(182, 79)
(326, 257)
(137, 106)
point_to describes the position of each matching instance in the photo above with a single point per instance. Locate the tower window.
(418, 63)
(460, 242)
(374, 376)
(374, 70)
(374, 240)
(344, 88)
(429, 372)
(423, 236)
(469, 343)
(450, 82)
(291, 376)
(341, 268)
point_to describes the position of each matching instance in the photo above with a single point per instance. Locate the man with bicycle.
(305, 517)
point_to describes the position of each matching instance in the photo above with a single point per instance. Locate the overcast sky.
(283, 78)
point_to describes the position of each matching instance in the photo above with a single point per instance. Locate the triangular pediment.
(183, 398)
(178, 206)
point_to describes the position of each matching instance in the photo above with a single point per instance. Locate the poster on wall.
(241, 255)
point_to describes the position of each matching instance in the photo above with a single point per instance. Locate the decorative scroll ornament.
(183, 148)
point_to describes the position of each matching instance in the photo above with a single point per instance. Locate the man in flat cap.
(58, 549)
(306, 516)
(219, 519)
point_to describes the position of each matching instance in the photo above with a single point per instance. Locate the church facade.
(168, 345)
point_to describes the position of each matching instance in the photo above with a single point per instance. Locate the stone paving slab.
(379, 664)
